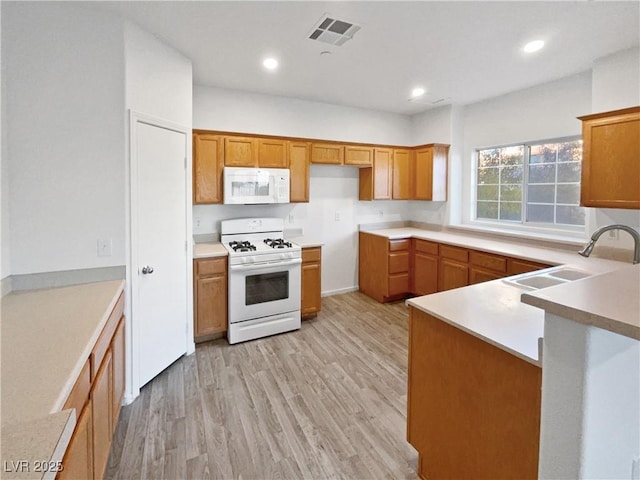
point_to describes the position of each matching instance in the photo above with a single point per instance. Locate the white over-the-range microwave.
(250, 186)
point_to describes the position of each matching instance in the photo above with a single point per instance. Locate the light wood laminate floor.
(327, 401)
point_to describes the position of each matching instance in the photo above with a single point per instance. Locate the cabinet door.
(328, 153)
(423, 174)
(78, 459)
(272, 153)
(101, 398)
(382, 167)
(479, 275)
(311, 281)
(207, 168)
(452, 274)
(425, 274)
(610, 166)
(401, 174)
(211, 310)
(357, 155)
(516, 266)
(240, 152)
(117, 348)
(299, 171)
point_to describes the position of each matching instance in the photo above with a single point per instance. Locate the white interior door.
(159, 243)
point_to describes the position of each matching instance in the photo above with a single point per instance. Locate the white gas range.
(264, 278)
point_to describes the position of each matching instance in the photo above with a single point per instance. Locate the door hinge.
(185, 163)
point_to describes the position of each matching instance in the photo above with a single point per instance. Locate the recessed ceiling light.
(533, 46)
(270, 63)
(417, 92)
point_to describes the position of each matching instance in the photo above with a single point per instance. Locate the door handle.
(146, 270)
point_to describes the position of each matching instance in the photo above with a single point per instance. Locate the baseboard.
(6, 285)
(329, 293)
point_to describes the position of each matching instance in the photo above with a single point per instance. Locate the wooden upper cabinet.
(208, 161)
(328, 153)
(611, 159)
(299, 153)
(401, 174)
(375, 182)
(272, 153)
(240, 152)
(430, 174)
(358, 155)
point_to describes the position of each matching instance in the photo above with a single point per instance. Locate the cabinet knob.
(146, 270)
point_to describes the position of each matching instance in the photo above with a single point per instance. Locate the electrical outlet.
(104, 247)
(635, 469)
(337, 217)
(197, 221)
(291, 218)
(614, 234)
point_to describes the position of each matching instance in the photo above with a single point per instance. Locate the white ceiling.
(467, 51)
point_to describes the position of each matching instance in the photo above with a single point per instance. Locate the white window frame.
(535, 229)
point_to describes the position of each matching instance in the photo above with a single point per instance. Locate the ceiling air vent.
(333, 31)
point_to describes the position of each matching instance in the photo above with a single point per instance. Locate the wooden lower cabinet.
(97, 397)
(473, 410)
(311, 273)
(78, 459)
(393, 269)
(210, 297)
(102, 419)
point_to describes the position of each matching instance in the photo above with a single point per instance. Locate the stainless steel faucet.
(588, 248)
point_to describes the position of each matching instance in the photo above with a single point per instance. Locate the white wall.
(616, 84)
(65, 91)
(590, 419)
(332, 189)
(542, 112)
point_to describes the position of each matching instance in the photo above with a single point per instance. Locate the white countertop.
(493, 311)
(304, 242)
(610, 301)
(209, 250)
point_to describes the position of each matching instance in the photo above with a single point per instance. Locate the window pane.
(570, 215)
(488, 192)
(487, 210)
(543, 153)
(489, 158)
(510, 211)
(539, 213)
(488, 175)
(542, 174)
(570, 151)
(569, 172)
(541, 193)
(569, 193)
(511, 175)
(511, 193)
(512, 155)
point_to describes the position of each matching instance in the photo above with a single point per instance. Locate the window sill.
(568, 238)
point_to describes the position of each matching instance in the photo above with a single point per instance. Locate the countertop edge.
(68, 386)
(534, 361)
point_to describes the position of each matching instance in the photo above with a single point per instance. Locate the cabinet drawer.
(398, 262)
(104, 340)
(214, 266)
(426, 247)
(311, 255)
(454, 253)
(395, 245)
(80, 393)
(488, 261)
(398, 284)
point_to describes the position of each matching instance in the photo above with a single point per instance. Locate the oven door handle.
(261, 265)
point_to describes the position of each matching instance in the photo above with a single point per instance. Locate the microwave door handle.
(261, 265)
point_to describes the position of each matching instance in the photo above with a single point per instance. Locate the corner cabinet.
(611, 159)
(96, 397)
(430, 173)
(299, 158)
(311, 272)
(210, 298)
(375, 181)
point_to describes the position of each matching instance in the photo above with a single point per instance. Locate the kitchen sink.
(549, 277)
